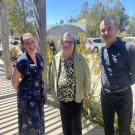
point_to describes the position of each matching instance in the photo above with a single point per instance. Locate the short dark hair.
(22, 40)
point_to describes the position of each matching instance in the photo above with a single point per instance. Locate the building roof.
(60, 29)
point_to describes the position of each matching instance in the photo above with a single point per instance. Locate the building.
(60, 29)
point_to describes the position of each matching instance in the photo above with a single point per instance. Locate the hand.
(85, 102)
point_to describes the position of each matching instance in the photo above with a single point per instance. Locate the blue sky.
(64, 9)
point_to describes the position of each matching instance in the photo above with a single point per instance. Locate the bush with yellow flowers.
(81, 48)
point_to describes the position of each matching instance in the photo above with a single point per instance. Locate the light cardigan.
(82, 76)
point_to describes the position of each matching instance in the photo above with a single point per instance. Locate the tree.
(20, 16)
(5, 41)
(93, 18)
(84, 10)
(73, 19)
(118, 14)
(61, 21)
(102, 9)
(130, 29)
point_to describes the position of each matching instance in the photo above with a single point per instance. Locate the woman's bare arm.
(15, 78)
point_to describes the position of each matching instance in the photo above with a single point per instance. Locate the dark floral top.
(31, 96)
(66, 81)
(31, 87)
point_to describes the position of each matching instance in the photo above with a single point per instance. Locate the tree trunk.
(5, 42)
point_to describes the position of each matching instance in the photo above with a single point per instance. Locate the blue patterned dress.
(31, 96)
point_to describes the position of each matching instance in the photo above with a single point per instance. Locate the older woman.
(27, 81)
(70, 78)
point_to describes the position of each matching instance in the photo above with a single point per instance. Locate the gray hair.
(66, 35)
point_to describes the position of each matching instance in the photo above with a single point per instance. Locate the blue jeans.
(71, 118)
(122, 104)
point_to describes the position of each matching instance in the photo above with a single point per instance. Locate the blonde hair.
(22, 41)
(25, 35)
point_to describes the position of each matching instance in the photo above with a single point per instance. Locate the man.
(117, 61)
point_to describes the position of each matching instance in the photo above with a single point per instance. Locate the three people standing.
(70, 80)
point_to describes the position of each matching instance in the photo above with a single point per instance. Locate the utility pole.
(40, 29)
(5, 39)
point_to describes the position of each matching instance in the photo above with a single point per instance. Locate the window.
(97, 40)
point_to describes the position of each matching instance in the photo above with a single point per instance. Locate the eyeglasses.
(68, 42)
(29, 43)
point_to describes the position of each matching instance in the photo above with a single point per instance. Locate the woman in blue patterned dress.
(27, 81)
